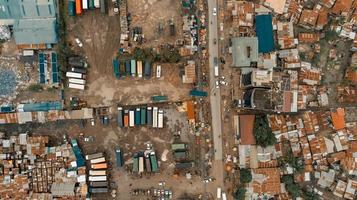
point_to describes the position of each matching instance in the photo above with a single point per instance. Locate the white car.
(92, 122)
(79, 43)
(214, 11)
(217, 84)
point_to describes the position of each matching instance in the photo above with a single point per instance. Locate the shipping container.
(97, 3)
(78, 70)
(98, 190)
(97, 178)
(154, 117)
(148, 163)
(136, 164)
(97, 172)
(85, 4)
(131, 118)
(91, 4)
(99, 166)
(149, 116)
(119, 157)
(94, 156)
(126, 118)
(159, 98)
(141, 164)
(137, 116)
(103, 6)
(198, 93)
(127, 67)
(97, 160)
(77, 81)
(179, 147)
(116, 66)
(76, 86)
(74, 75)
(98, 184)
(133, 68)
(147, 70)
(143, 116)
(120, 117)
(154, 164)
(160, 119)
(76, 61)
(79, 7)
(179, 155)
(140, 68)
(71, 8)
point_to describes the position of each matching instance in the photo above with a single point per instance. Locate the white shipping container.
(154, 117)
(141, 164)
(97, 160)
(77, 81)
(160, 120)
(97, 3)
(76, 86)
(97, 178)
(85, 4)
(131, 118)
(97, 172)
(74, 75)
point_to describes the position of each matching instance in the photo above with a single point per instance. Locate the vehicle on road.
(219, 193)
(217, 84)
(79, 43)
(214, 11)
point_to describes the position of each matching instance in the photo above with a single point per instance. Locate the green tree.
(310, 195)
(245, 176)
(239, 193)
(262, 132)
(292, 188)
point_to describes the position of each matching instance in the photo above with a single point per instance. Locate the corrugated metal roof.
(35, 31)
(63, 189)
(264, 29)
(244, 51)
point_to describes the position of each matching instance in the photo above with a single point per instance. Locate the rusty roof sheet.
(338, 118)
(246, 124)
(266, 180)
(308, 18)
(190, 110)
(309, 37)
(341, 6)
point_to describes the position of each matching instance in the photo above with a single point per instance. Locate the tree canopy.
(245, 176)
(239, 193)
(292, 188)
(262, 132)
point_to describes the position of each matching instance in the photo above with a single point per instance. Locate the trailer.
(74, 75)
(126, 118)
(149, 116)
(97, 3)
(103, 6)
(97, 178)
(160, 119)
(137, 116)
(120, 117)
(141, 164)
(97, 172)
(131, 118)
(154, 117)
(94, 156)
(76, 86)
(154, 164)
(147, 70)
(119, 157)
(77, 81)
(99, 166)
(71, 8)
(133, 68)
(136, 164)
(116, 66)
(140, 68)
(97, 160)
(127, 67)
(98, 190)
(148, 163)
(91, 4)
(79, 7)
(143, 116)
(98, 184)
(179, 147)
(85, 4)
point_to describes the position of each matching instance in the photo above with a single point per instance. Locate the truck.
(77, 81)
(76, 86)
(139, 65)
(149, 116)
(147, 163)
(143, 116)
(119, 157)
(103, 6)
(154, 117)
(133, 68)
(126, 118)
(137, 116)
(160, 119)
(147, 70)
(74, 75)
(131, 118)
(159, 98)
(71, 8)
(216, 71)
(97, 172)
(136, 163)
(94, 156)
(158, 71)
(97, 178)
(224, 196)
(97, 3)
(97, 160)
(99, 166)
(120, 117)
(79, 7)
(141, 164)
(91, 4)
(85, 4)
(154, 164)
(98, 190)
(98, 184)
(127, 67)
(179, 147)
(116, 66)
(219, 193)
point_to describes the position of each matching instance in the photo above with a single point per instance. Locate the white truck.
(76, 86)
(77, 81)
(74, 75)
(160, 119)
(131, 118)
(154, 117)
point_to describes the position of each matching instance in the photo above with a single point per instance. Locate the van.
(216, 73)
(219, 193)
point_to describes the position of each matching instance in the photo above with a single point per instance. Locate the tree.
(245, 176)
(239, 194)
(310, 195)
(292, 188)
(262, 132)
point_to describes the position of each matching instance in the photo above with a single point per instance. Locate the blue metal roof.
(44, 106)
(264, 30)
(24, 9)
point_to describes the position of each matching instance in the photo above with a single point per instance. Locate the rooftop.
(266, 180)
(246, 125)
(245, 51)
(264, 30)
(338, 118)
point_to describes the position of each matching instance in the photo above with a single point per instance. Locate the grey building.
(33, 21)
(245, 51)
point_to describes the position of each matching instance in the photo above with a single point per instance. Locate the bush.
(245, 176)
(239, 194)
(262, 132)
